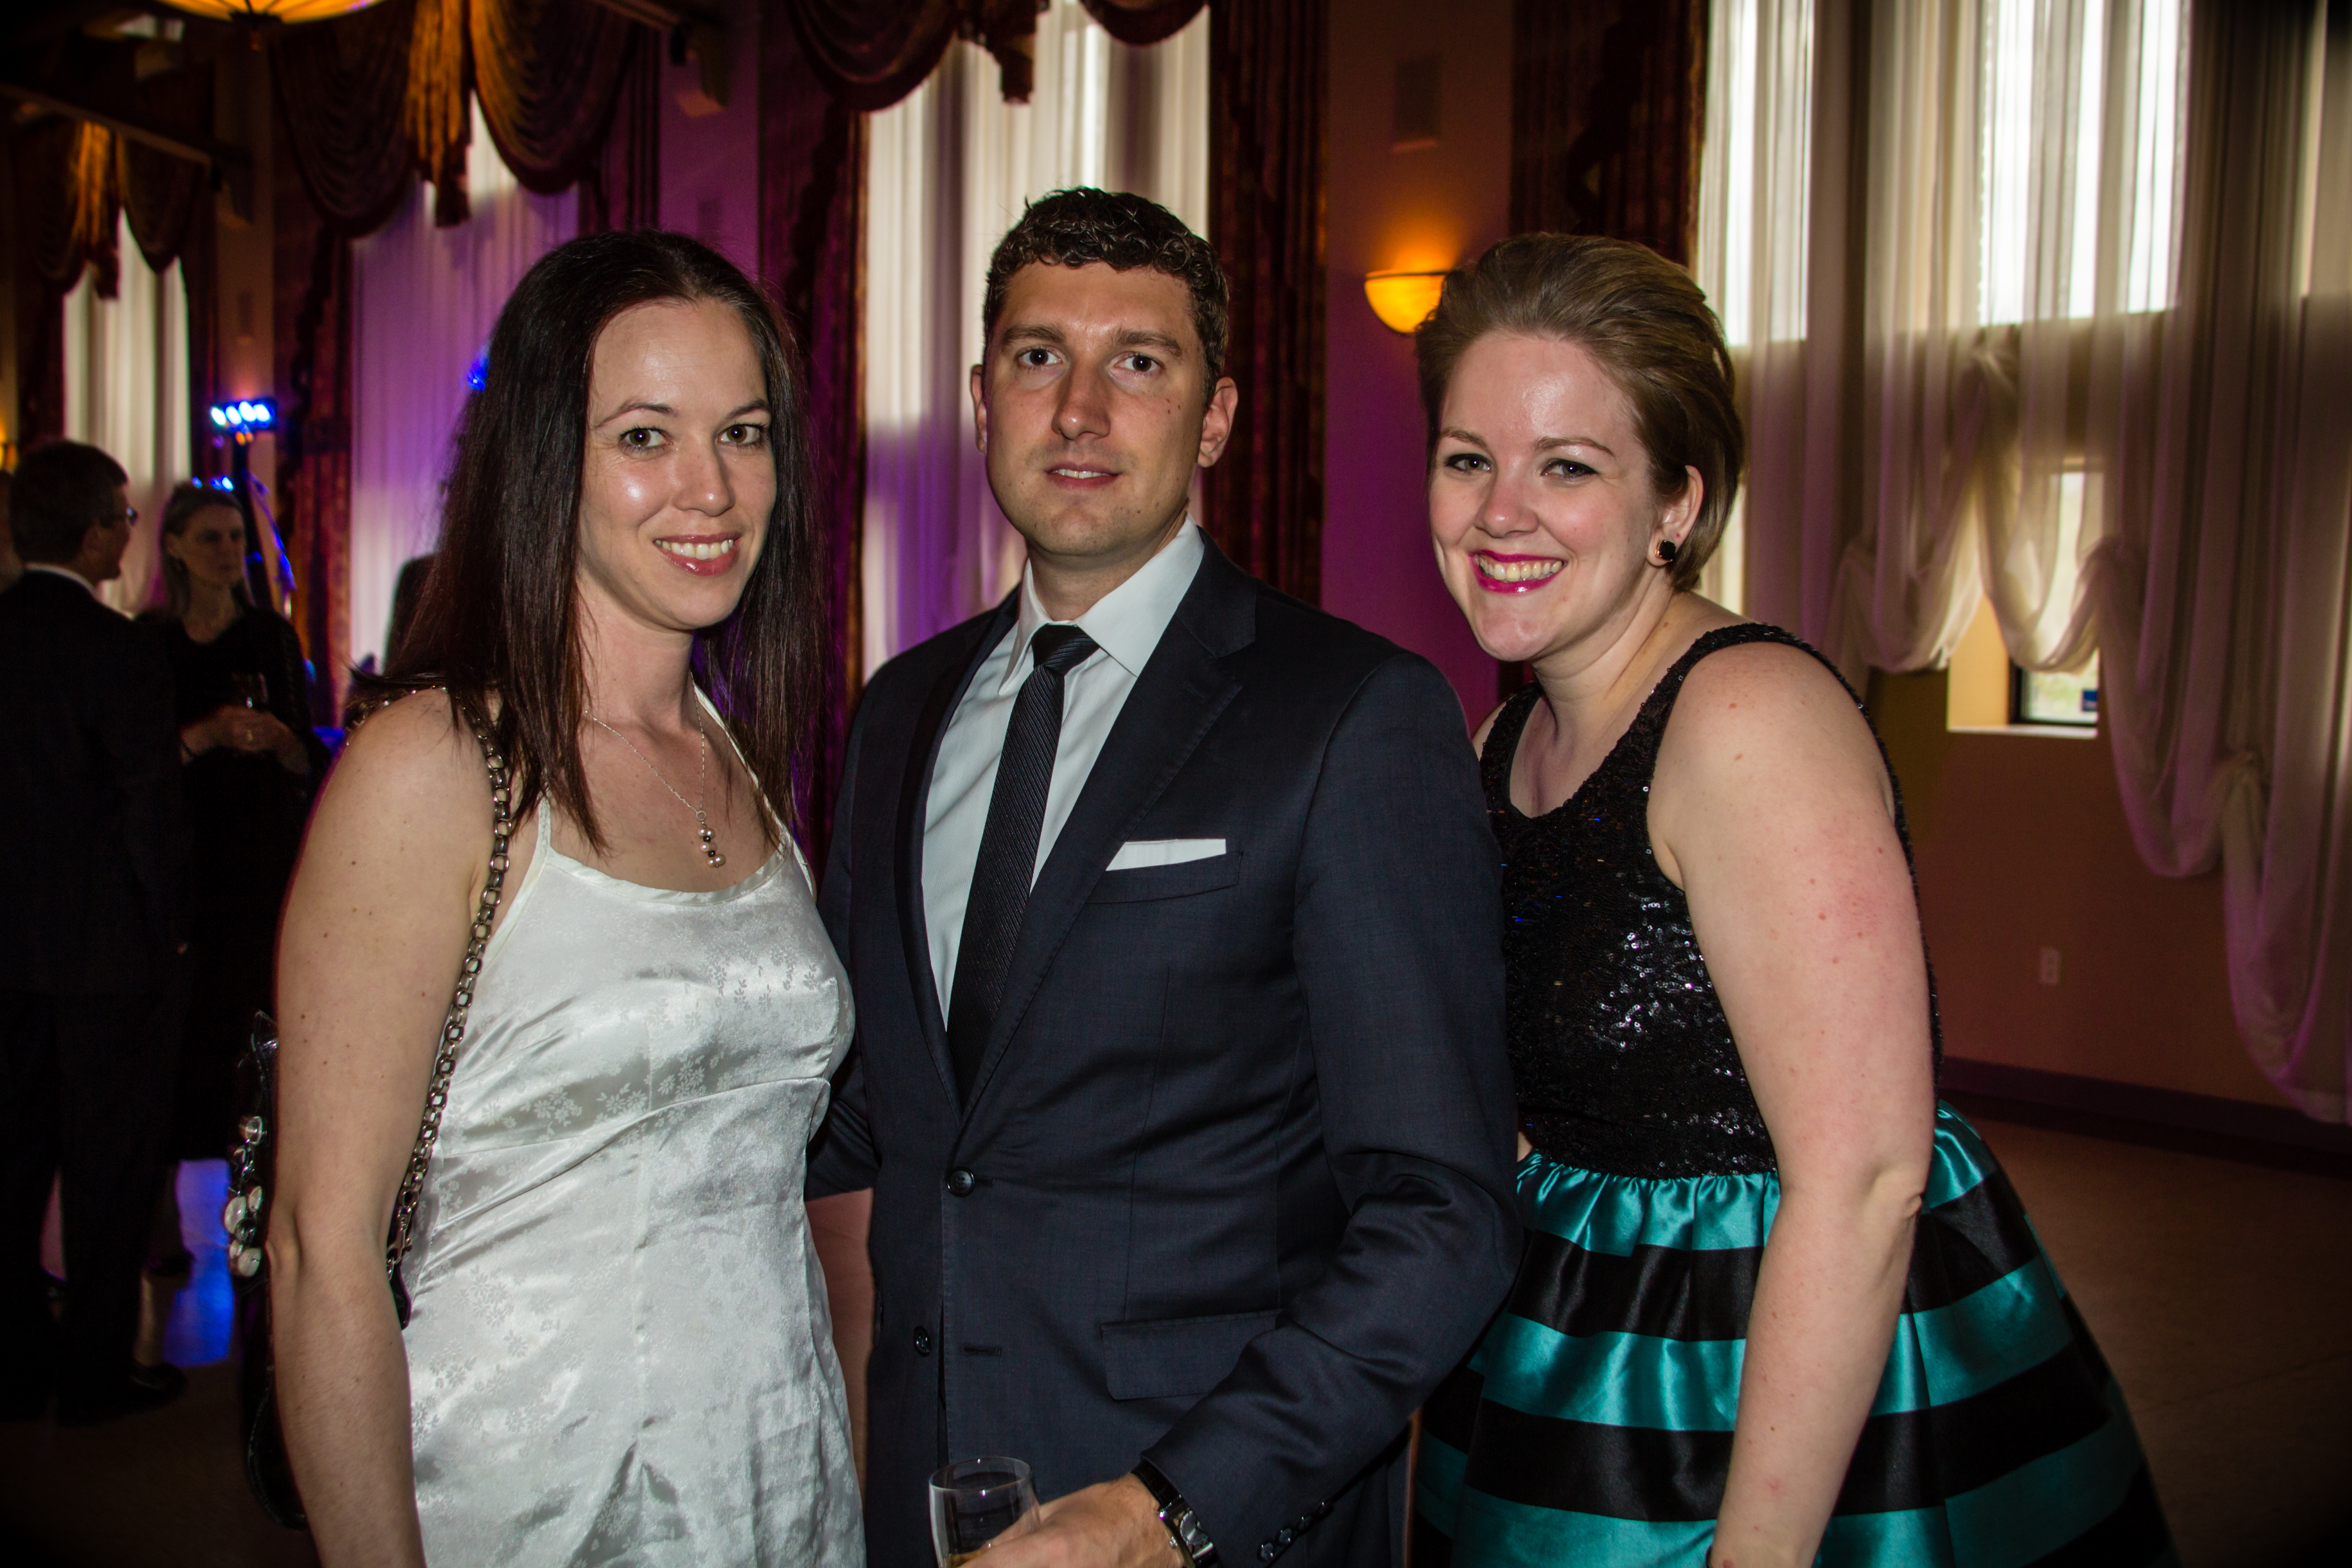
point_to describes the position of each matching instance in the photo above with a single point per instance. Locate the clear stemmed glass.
(976, 1503)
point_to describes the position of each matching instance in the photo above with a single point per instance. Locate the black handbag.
(253, 1175)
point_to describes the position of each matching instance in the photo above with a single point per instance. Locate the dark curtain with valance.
(367, 100)
(1608, 99)
(167, 205)
(825, 62)
(869, 53)
(1266, 95)
(54, 234)
(812, 218)
(547, 73)
(73, 179)
(375, 96)
(621, 186)
(312, 337)
(342, 88)
(1141, 23)
(1267, 87)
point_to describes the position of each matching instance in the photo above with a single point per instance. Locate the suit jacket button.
(961, 1181)
(922, 1342)
(1267, 1552)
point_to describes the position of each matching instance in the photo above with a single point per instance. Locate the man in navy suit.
(1172, 917)
(89, 936)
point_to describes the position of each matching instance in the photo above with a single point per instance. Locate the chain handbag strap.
(453, 1026)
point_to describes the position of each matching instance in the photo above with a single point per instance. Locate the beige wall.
(711, 155)
(2021, 846)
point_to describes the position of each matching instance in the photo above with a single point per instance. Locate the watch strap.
(1191, 1542)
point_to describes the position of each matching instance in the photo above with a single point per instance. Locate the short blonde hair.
(1646, 323)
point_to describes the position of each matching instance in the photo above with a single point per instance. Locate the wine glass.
(976, 1503)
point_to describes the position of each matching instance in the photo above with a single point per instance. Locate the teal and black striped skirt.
(1592, 1426)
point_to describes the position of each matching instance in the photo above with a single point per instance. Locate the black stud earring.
(1667, 551)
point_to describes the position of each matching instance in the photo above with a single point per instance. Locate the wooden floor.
(2220, 1291)
(2222, 1294)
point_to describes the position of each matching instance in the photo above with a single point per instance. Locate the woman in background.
(241, 695)
(1776, 1298)
(617, 1349)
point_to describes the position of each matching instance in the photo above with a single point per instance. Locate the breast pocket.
(1140, 882)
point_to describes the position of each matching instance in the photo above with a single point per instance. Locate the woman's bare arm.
(1773, 811)
(376, 925)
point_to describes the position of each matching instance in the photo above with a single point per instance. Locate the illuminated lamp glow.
(1402, 300)
(253, 11)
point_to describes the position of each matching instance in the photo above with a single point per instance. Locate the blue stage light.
(246, 416)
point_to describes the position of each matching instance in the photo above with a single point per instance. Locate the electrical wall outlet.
(2049, 974)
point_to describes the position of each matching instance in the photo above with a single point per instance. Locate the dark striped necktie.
(1008, 848)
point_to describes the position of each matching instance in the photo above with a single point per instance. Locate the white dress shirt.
(1126, 623)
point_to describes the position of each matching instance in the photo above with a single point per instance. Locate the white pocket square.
(1137, 853)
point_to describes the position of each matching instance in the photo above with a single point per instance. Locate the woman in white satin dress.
(618, 1349)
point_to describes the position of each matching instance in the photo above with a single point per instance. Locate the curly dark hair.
(1123, 231)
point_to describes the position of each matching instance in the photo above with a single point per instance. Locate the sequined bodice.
(1619, 1051)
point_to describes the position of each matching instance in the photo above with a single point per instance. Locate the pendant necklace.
(702, 780)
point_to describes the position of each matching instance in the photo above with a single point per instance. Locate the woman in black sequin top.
(1776, 1301)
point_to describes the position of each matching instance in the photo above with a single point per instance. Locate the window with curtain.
(1910, 323)
(949, 170)
(1752, 231)
(424, 300)
(2047, 304)
(126, 374)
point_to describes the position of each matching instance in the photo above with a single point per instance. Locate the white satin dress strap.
(620, 1350)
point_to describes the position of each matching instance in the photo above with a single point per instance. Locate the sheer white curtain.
(1754, 235)
(2221, 434)
(949, 170)
(423, 301)
(2061, 314)
(126, 363)
(1912, 248)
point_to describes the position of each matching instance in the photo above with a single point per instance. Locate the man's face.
(101, 548)
(1094, 408)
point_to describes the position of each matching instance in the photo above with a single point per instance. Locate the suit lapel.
(1175, 701)
(914, 800)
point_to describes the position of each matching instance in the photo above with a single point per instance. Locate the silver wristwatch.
(1184, 1531)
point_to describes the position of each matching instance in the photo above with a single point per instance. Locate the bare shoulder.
(409, 765)
(1765, 717)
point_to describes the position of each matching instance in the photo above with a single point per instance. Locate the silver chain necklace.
(701, 785)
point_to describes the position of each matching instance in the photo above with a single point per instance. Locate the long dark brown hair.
(499, 615)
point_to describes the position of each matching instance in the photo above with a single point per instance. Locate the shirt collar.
(68, 573)
(1125, 623)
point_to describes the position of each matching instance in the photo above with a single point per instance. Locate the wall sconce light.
(1402, 300)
